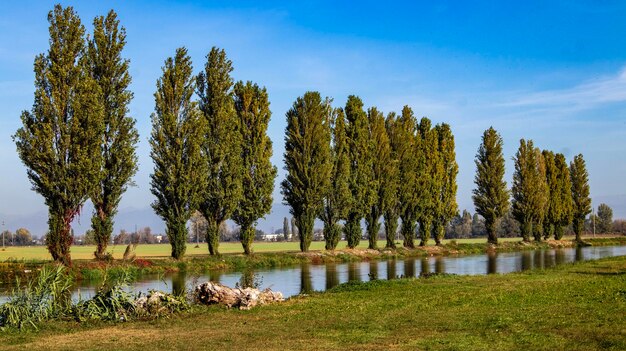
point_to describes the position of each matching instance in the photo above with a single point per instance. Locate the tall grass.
(47, 296)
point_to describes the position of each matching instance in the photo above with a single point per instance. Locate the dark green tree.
(120, 137)
(552, 207)
(221, 146)
(307, 161)
(381, 164)
(563, 190)
(176, 142)
(258, 173)
(429, 177)
(580, 195)
(408, 153)
(491, 196)
(286, 232)
(391, 183)
(529, 190)
(294, 229)
(338, 195)
(445, 206)
(357, 133)
(605, 218)
(59, 142)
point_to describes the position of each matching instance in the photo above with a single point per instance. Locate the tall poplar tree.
(491, 196)
(176, 142)
(120, 137)
(391, 182)
(258, 173)
(408, 152)
(563, 193)
(554, 206)
(59, 142)
(307, 161)
(429, 177)
(286, 232)
(529, 190)
(360, 168)
(445, 206)
(381, 165)
(221, 146)
(338, 195)
(580, 194)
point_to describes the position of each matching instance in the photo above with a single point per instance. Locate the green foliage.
(580, 194)
(337, 199)
(45, 297)
(408, 156)
(605, 218)
(60, 138)
(258, 173)
(429, 177)
(530, 190)
(286, 231)
(359, 151)
(112, 302)
(564, 190)
(445, 201)
(491, 196)
(391, 183)
(119, 137)
(308, 161)
(222, 142)
(176, 140)
(380, 150)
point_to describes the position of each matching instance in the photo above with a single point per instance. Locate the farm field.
(163, 250)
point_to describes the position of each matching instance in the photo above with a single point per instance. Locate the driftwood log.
(210, 293)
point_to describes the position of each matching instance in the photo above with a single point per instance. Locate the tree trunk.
(247, 238)
(102, 225)
(353, 230)
(332, 233)
(440, 232)
(305, 223)
(527, 229)
(492, 234)
(391, 226)
(177, 234)
(425, 227)
(213, 236)
(408, 232)
(373, 226)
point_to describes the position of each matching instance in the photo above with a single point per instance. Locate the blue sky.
(554, 72)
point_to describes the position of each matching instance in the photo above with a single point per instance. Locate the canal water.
(319, 277)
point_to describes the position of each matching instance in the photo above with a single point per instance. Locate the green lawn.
(573, 307)
(163, 250)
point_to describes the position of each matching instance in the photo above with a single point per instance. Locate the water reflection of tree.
(579, 254)
(559, 256)
(179, 280)
(527, 260)
(492, 263)
(391, 269)
(440, 265)
(354, 271)
(373, 270)
(424, 267)
(332, 276)
(306, 284)
(249, 279)
(538, 259)
(409, 268)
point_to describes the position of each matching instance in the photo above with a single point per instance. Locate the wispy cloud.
(585, 95)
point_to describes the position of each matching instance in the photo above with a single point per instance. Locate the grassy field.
(573, 307)
(164, 250)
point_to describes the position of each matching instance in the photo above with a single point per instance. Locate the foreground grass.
(573, 307)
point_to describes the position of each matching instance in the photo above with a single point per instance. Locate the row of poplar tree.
(547, 195)
(211, 153)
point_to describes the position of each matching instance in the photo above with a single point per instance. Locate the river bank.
(96, 270)
(573, 307)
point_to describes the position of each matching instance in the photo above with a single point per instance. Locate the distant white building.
(271, 237)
